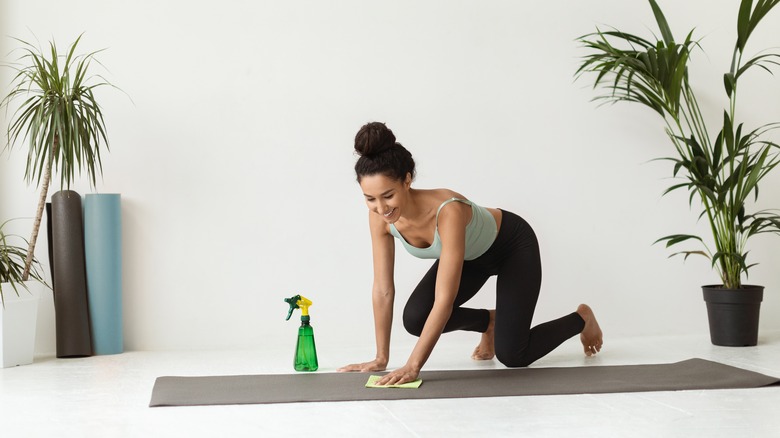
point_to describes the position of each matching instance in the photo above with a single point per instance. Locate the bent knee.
(414, 321)
(513, 359)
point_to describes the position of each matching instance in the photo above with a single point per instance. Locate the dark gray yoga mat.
(70, 277)
(322, 387)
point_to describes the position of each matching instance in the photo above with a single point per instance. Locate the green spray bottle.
(305, 351)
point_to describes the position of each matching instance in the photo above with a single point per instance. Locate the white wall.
(234, 158)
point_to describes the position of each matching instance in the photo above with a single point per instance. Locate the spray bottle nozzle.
(298, 302)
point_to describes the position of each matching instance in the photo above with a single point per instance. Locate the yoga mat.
(103, 252)
(322, 387)
(70, 279)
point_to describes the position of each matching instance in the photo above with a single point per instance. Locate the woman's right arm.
(382, 294)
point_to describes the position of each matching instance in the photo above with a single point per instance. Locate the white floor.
(108, 396)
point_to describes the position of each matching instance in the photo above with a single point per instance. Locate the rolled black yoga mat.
(70, 279)
(322, 387)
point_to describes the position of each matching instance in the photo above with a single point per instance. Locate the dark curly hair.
(381, 154)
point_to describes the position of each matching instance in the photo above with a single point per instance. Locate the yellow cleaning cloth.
(373, 379)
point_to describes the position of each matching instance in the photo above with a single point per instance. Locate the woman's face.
(385, 196)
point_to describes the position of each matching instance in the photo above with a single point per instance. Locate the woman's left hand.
(400, 376)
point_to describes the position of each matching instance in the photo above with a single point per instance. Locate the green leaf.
(663, 25)
(677, 238)
(729, 82)
(728, 134)
(690, 253)
(747, 22)
(675, 187)
(717, 150)
(743, 23)
(677, 167)
(764, 61)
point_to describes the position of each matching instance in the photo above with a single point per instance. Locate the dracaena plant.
(722, 171)
(58, 116)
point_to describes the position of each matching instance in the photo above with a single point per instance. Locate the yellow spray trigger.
(304, 304)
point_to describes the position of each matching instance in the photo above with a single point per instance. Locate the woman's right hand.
(374, 365)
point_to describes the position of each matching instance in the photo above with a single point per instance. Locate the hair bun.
(373, 139)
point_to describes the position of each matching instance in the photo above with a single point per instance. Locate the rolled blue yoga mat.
(70, 280)
(103, 252)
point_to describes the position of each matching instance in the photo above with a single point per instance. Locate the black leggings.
(514, 258)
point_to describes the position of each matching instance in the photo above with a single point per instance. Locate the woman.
(470, 243)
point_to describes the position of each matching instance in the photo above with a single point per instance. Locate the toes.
(478, 354)
(592, 350)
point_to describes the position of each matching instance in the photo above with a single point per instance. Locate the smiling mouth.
(389, 213)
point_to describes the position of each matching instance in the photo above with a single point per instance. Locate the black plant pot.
(733, 314)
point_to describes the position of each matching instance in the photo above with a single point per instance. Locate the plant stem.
(39, 214)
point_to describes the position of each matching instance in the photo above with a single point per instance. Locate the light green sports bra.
(480, 234)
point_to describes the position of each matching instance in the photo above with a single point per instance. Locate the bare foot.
(591, 335)
(486, 349)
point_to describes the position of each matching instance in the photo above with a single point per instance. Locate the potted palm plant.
(18, 314)
(722, 172)
(58, 118)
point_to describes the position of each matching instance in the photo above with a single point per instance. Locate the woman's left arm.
(452, 232)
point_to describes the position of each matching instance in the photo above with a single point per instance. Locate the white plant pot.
(17, 324)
